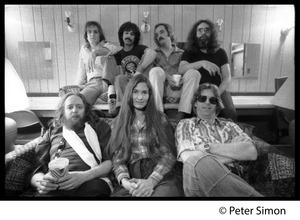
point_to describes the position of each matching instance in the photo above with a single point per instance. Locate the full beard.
(203, 42)
(74, 123)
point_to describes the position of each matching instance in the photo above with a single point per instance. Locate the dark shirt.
(219, 58)
(130, 59)
(50, 142)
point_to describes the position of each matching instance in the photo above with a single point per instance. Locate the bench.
(245, 105)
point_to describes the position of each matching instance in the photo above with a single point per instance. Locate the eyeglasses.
(212, 100)
(205, 30)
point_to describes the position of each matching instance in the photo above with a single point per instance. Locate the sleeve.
(224, 57)
(121, 171)
(164, 165)
(111, 47)
(41, 157)
(183, 139)
(186, 57)
(81, 74)
(238, 135)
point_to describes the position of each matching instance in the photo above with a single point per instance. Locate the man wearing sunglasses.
(204, 56)
(210, 148)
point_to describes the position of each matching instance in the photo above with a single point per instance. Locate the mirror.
(245, 60)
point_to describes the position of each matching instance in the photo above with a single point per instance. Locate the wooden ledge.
(45, 106)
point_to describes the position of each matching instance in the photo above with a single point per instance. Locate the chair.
(28, 124)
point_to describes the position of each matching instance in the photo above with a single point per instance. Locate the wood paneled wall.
(259, 24)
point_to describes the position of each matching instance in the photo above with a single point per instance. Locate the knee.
(197, 161)
(156, 73)
(119, 79)
(193, 75)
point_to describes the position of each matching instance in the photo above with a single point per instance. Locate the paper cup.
(176, 78)
(59, 167)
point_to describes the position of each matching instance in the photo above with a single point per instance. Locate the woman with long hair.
(142, 146)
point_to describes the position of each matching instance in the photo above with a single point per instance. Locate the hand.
(46, 184)
(144, 187)
(210, 67)
(129, 185)
(71, 180)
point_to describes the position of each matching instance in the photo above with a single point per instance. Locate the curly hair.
(129, 26)
(90, 116)
(93, 23)
(159, 131)
(169, 30)
(192, 41)
(214, 90)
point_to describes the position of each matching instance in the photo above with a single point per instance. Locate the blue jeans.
(93, 89)
(204, 176)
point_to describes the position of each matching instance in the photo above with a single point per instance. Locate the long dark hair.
(93, 23)
(157, 127)
(91, 117)
(129, 26)
(192, 41)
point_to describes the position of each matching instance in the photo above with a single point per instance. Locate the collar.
(200, 120)
(176, 50)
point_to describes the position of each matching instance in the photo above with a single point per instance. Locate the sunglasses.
(205, 30)
(212, 100)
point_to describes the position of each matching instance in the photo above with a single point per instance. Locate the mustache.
(161, 38)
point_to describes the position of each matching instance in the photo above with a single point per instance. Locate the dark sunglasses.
(212, 100)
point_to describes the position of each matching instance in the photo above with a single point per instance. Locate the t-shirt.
(130, 59)
(219, 58)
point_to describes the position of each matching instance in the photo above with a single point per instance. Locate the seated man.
(167, 61)
(208, 146)
(204, 56)
(77, 134)
(132, 59)
(92, 75)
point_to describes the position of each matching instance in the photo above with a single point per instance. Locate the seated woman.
(143, 146)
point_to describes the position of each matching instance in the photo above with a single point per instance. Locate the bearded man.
(204, 55)
(75, 133)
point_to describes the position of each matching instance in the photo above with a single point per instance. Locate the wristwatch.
(207, 148)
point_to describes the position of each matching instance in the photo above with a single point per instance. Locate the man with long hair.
(143, 146)
(92, 57)
(132, 59)
(204, 56)
(166, 63)
(210, 148)
(75, 133)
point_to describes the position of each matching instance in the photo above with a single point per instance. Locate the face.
(140, 96)
(203, 35)
(128, 38)
(206, 110)
(93, 35)
(161, 34)
(74, 111)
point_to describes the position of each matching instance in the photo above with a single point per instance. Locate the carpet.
(281, 167)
